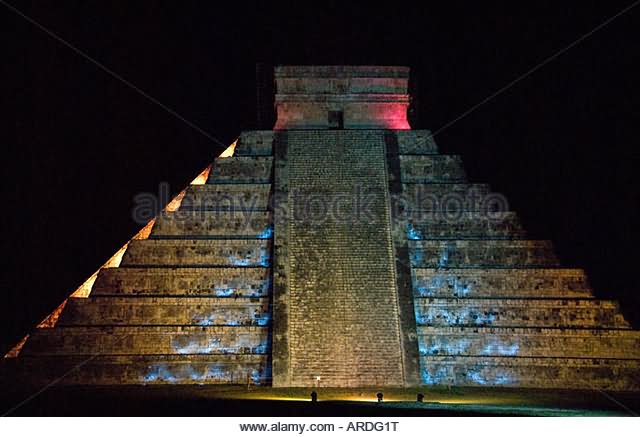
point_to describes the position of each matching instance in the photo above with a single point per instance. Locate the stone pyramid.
(339, 249)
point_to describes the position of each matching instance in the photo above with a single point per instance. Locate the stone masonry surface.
(343, 313)
(271, 273)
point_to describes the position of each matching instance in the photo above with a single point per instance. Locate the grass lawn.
(267, 401)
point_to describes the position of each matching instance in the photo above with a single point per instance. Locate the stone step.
(157, 340)
(442, 197)
(544, 313)
(462, 225)
(255, 143)
(541, 372)
(140, 369)
(537, 283)
(529, 342)
(325, 140)
(206, 253)
(482, 254)
(239, 197)
(213, 224)
(241, 169)
(198, 311)
(181, 281)
(432, 168)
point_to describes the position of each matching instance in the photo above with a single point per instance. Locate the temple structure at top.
(342, 249)
(342, 97)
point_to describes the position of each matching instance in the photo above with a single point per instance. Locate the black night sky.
(561, 143)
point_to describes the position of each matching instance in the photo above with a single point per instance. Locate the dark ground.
(562, 143)
(238, 401)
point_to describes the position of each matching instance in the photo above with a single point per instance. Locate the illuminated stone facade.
(349, 97)
(339, 249)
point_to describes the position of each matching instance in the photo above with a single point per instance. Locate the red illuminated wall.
(367, 97)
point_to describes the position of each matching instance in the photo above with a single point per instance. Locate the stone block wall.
(432, 168)
(547, 372)
(529, 342)
(241, 169)
(179, 311)
(204, 253)
(255, 143)
(415, 142)
(454, 253)
(493, 308)
(213, 224)
(147, 340)
(443, 197)
(501, 283)
(365, 97)
(191, 304)
(185, 281)
(242, 369)
(336, 312)
(575, 313)
(223, 197)
(464, 225)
